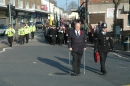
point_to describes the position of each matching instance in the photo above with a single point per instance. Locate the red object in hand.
(96, 57)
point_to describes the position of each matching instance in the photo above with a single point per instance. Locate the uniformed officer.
(32, 29)
(77, 44)
(21, 33)
(27, 31)
(102, 46)
(10, 32)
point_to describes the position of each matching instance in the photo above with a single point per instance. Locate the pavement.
(38, 63)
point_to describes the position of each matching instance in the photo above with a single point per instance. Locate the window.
(20, 3)
(2, 2)
(33, 6)
(27, 5)
(129, 19)
(38, 7)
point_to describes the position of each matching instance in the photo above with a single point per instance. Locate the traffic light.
(12, 9)
(13, 13)
(82, 13)
(7, 13)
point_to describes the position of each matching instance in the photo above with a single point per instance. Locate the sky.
(62, 3)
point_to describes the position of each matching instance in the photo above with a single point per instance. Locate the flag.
(56, 21)
(50, 20)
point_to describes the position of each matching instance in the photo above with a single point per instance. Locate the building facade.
(102, 10)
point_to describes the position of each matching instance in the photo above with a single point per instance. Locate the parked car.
(38, 25)
(3, 29)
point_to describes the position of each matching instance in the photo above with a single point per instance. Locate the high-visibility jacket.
(32, 28)
(27, 29)
(21, 32)
(10, 32)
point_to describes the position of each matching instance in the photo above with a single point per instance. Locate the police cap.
(103, 25)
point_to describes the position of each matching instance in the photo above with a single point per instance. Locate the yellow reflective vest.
(27, 29)
(21, 32)
(32, 28)
(10, 32)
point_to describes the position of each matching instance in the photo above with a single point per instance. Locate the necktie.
(77, 34)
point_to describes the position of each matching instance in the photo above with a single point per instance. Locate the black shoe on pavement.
(74, 74)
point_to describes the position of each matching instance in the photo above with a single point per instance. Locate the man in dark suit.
(76, 44)
(102, 46)
(53, 34)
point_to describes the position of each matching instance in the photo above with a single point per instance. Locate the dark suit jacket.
(77, 43)
(103, 42)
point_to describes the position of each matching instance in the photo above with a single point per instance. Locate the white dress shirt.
(78, 32)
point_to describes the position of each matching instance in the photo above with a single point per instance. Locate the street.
(40, 64)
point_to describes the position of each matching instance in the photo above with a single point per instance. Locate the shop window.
(20, 3)
(129, 19)
(2, 2)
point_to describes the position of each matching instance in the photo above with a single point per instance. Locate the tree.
(72, 5)
(116, 4)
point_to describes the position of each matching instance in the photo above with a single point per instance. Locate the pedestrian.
(27, 31)
(32, 29)
(61, 35)
(21, 33)
(76, 44)
(89, 32)
(10, 32)
(53, 34)
(102, 46)
(45, 34)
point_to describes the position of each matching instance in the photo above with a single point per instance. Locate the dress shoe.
(104, 73)
(74, 74)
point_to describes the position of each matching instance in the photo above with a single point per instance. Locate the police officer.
(53, 34)
(102, 46)
(27, 31)
(21, 33)
(32, 29)
(77, 44)
(10, 32)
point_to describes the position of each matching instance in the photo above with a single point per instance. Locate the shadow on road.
(5, 43)
(54, 64)
(82, 66)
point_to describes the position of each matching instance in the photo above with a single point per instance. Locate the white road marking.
(5, 49)
(51, 74)
(34, 62)
(119, 55)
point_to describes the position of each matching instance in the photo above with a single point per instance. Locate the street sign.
(21, 13)
(117, 30)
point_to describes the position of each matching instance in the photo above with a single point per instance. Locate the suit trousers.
(103, 56)
(27, 37)
(32, 35)
(10, 40)
(76, 61)
(22, 39)
(53, 40)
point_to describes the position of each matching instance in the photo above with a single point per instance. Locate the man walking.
(32, 29)
(10, 32)
(21, 33)
(102, 46)
(76, 44)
